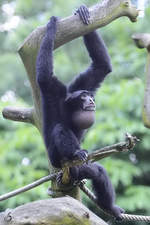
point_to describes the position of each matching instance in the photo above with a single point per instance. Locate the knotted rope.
(124, 216)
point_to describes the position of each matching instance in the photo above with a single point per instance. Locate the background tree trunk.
(143, 41)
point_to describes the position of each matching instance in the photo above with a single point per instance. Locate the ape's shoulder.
(63, 136)
(61, 130)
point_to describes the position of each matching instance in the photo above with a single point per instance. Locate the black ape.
(68, 111)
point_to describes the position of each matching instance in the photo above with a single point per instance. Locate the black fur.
(62, 139)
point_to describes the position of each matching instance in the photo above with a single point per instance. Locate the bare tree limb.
(68, 29)
(19, 114)
(143, 41)
(99, 154)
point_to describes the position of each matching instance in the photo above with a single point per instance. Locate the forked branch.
(68, 29)
(128, 144)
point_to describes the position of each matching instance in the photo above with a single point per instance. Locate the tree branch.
(128, 144)
(19, 114)
(143, 41)
(68, 29)
(99, 154)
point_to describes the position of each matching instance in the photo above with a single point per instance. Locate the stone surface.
(58, 211)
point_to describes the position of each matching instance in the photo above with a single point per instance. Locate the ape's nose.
(91, 101)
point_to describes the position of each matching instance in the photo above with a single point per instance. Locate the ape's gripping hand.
(52, 27)
(84, 14)
(81, 155)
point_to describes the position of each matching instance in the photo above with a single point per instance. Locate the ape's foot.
(71, 182)
(59, 179)
(116, 211)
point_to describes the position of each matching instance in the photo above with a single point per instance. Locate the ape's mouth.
(90, 108)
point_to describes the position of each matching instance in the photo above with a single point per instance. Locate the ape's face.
(81, 105)
(88, 101)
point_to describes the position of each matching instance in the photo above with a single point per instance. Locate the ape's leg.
(101, 184)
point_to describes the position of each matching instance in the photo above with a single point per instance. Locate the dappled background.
(119, 103)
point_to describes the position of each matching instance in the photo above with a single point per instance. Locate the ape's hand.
(81, 155)
(84, 14)
(52, 26)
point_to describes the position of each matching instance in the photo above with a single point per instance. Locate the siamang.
(69, 110)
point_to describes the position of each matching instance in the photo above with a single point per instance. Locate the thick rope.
(128, 217)
(28, 187)
(124, 216)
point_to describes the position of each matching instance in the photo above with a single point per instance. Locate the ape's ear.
(75, 95)
(69, 98)
(72, 96)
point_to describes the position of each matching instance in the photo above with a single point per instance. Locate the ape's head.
(81, 107)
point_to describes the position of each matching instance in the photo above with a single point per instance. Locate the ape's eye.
(93, 98)
(84, 95)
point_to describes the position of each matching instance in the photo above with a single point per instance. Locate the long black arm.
(51, 89)
(44, 63)
(90, 79)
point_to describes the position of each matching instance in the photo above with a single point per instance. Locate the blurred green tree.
(119, 103)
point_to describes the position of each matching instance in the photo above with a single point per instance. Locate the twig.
(128, 144)
(19, 114)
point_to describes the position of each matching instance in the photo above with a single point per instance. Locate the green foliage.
(130, 201)
(22, 160)
(119, 105)
(119, 111)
